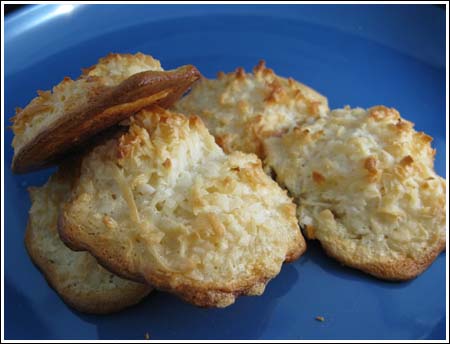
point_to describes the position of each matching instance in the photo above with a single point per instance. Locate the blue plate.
(357, 55)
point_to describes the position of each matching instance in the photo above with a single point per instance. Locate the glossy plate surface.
(357, 55)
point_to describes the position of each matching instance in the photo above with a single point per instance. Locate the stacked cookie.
(363, 180)
(156, 190)
(147, 194)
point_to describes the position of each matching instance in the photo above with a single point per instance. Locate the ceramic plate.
(357, 55)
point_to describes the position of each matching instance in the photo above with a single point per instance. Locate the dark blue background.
(357, 55)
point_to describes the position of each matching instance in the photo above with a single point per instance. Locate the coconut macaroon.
(242, 109)
(366, 188)
(119, 85)
(76, 276)
(163, 204)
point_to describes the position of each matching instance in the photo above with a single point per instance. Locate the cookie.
(366, 188)
(163, 204)
(75, 276)
(242, 109)
(58, 122)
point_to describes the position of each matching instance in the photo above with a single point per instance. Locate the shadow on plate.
(438, 332)
(166, 314)
(18, 307)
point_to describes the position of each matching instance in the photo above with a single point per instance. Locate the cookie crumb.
(319, 318)
(147, 336)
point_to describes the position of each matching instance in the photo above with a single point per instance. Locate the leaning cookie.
(163, 204)
(242, 109)
(366, 188)
(76, 276)
(119, 85)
